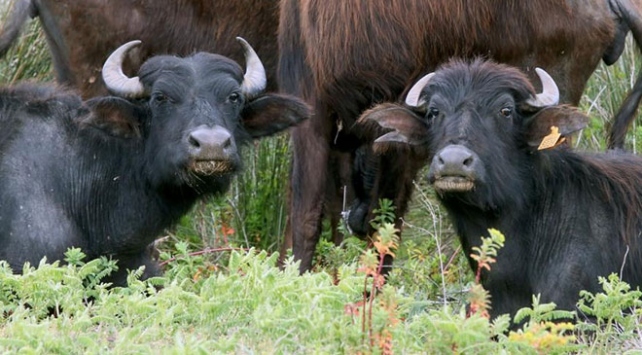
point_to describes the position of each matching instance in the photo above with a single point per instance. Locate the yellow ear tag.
(552, 139)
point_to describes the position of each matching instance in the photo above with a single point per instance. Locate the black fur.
(568, 217)
(108, 175)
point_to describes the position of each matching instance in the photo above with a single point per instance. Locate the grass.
(214, 300)
(29, 58)
(602, 97)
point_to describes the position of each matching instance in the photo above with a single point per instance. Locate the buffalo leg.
(127, 263)
(308, 183)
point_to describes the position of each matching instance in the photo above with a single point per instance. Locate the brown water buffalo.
(81, 34)
(344, 56)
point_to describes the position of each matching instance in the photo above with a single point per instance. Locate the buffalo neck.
(112, 199)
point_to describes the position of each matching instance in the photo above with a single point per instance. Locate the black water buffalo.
(568, 217)
(81, 34)
(345, 56)
(109, 174)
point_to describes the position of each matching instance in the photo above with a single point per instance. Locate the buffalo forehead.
(469, 97)
(219, 77)
(198, 71)
(210, 66)
(479, 79)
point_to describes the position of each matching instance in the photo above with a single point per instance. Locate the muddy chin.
(212, 167)
(453, 184)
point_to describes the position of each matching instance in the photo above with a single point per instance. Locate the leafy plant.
(384, 214)
(613, 316)
(484, 255)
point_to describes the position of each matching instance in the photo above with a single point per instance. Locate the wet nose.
(207, 143)
(454, 160)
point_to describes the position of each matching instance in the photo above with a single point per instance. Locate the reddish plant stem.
(478, 274)
(452, 258)
(373, 293)
(363, 314)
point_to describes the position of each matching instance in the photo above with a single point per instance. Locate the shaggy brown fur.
(81, 34)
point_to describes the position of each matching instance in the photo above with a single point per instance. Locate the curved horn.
(254, 80)
(114, 78)
(550, 94)
(412, 98)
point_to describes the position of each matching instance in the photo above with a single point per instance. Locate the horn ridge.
(412, 98)
(550, 94)
(255, 79)
(115, 80)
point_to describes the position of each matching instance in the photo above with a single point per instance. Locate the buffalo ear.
(114, 116)
(392, 123)
(272, 113)
(567, 119)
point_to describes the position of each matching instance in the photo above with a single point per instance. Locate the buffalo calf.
(568, 217)
(107, 175)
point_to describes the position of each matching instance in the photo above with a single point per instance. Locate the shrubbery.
(247, 305)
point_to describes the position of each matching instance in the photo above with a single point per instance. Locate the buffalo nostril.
(194, 142)
(227, 142)
(210, 137)
(454, 160)
(214, 143)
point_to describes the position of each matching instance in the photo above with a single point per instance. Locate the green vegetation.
(28, 59)
(247, 305)
(602, 97)
(222, 293)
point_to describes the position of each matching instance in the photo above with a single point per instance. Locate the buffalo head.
(191, 114)
(480, 123)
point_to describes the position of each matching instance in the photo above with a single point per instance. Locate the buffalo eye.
(159, 98)
(234, 97)
(433, 112)
(506, 111)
